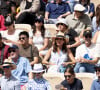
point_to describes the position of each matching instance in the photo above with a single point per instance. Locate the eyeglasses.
(97, 70)
(60, 24)
(13, 50)
(7, 67)
(59, 39)
(88, 36)
(22, 38)
(69, 76)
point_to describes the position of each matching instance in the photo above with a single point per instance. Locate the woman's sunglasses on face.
(97, 70)
(67, 76)
(7, 67)
(59, 39)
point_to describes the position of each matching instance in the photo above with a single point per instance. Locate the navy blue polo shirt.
(95, 85)
(56, 10)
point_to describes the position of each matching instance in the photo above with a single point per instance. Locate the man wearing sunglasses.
(27, 50)
(8, 81)
(96, 83)
(86, 54)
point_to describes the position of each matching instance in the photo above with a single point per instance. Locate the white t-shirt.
(86, 52)
(14, 37)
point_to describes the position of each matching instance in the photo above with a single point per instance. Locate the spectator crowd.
(25, 55)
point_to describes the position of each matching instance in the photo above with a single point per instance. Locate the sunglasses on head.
(22, 38)
(12, 50)
(67, 76)
(6, 67)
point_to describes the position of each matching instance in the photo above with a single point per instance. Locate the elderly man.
(96, 83)
(8, 81)
(86, 54)
(23, 70)
(56, 10)
(78, 20)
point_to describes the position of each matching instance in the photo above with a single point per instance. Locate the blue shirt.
(38, 84)
(55, 10)
(22, 70)
(95, 85)
(90, 8)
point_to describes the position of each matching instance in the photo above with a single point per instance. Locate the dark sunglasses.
(69, 76)
(97, 70)
(61, 24)
(7, 67)
(22, 38)
(12, 50)
(59, 39)
(88, 36)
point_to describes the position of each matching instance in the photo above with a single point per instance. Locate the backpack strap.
(31, 53)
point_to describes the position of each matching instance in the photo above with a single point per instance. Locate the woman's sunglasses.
(7, 67)
(67, 76)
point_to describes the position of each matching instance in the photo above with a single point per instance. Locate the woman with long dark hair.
(40, 37)
(71, 82)
(58, 55)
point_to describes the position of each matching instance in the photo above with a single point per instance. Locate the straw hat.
(9, 62)
(79, 7)
(38, 68)
(60, 35)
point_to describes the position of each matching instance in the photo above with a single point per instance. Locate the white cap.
(62, 20)
(79, 7)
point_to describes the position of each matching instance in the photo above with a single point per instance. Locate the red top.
(2, 26)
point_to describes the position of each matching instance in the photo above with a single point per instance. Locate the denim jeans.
(84, 67)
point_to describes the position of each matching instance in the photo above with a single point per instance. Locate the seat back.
(24, 27)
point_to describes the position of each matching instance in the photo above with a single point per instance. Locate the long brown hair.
(98, 15)
(42, 30)
(64, 48)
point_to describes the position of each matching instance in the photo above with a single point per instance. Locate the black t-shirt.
(28, 4)
(72, 34)
(76, 85)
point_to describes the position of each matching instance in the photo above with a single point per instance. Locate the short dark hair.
(70, 69)
(24, 33)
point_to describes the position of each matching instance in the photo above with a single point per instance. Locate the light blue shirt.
(38, 84)
(95, 85)
(9, 83)
(22, 70)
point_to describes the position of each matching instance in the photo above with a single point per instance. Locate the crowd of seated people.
(26, 55)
